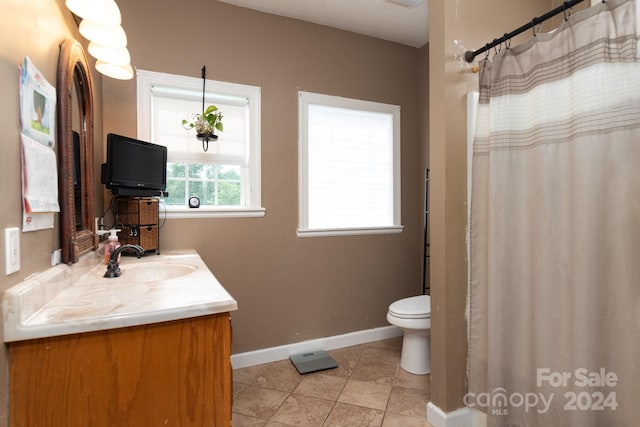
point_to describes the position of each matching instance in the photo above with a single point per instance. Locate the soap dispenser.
(111, 245)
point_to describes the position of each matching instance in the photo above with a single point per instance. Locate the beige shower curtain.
(554, 307)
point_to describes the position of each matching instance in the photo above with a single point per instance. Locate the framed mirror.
(75, 152)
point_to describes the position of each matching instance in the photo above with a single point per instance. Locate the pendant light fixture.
(406, 3)
(108, 42)
(105, 12)
(105, 35)
(119, 72)
(112, 55)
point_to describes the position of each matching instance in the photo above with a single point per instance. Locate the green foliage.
(215, 185)
(206, 121)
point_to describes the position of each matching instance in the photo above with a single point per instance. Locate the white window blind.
(349, 166)
(182, 146)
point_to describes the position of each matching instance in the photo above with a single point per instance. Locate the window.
(349, 166)
(226, 178)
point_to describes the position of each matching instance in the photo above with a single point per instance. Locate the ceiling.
(378, 18)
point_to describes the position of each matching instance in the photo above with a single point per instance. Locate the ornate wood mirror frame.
(75, 158)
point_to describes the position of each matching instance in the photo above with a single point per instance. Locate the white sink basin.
(154, 271)
(75, 299)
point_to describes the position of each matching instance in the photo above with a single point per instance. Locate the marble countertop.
(74, 299)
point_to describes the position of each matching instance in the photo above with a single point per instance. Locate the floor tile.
(343, 415)
(304, 411)
(239, 420)
(238, 389)
(281, 375)
(248, 375)
(395, 420)
(377, 372)
(367, 382)
(406, 401)
(394, 343)
(367, 394)
(321, 386)
(386, 355)
(416, 382)
(259, 402)
(347, 358)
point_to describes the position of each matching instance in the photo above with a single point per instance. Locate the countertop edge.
(24, 300)
(116, 322)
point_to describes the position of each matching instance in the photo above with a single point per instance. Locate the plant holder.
(205, 138)
(206, 122)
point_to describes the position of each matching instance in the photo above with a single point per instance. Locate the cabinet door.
(136, 210)
(166, 374)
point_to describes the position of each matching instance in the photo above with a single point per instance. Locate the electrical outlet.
(56, 257)
(12, 249)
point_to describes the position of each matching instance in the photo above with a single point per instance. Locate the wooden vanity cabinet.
(174, 373)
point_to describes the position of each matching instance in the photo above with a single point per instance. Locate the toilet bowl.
(413, 315)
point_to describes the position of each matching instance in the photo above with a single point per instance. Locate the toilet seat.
(413, 316)
(418, 307)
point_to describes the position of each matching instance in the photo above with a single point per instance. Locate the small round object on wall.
(194, 202)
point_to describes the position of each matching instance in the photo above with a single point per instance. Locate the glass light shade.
(120, 72)
(112, 55)
(105, 12)
(406, 3)
(105, 35)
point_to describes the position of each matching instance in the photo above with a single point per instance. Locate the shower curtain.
(554, 297)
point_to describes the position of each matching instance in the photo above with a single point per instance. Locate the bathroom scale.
(312, 361)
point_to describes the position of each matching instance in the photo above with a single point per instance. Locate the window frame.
(309, 98)
(146, 80)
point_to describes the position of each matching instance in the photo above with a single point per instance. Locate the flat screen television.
(134, 167)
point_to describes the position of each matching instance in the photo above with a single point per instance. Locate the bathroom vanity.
(151, 347)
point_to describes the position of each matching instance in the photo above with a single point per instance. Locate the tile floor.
(367, 389)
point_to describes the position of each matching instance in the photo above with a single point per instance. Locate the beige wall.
(33, 28)
(473, 23)
(288, 289)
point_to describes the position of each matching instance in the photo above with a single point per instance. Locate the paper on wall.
(37, 105)
(39, 177)
(36, 221)
(39, 167)
(39, 185)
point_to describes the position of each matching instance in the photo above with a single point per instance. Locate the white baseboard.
(273, 354)
(478, 418)
(462, 417)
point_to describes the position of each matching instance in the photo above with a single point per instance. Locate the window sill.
(349, 231)
(205, 212)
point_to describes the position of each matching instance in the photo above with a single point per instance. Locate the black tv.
(134, 167)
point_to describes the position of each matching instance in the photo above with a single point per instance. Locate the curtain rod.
(469, 56)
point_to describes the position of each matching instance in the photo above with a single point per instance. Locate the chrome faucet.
(113, 269)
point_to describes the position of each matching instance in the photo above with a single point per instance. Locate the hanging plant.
(207, 122)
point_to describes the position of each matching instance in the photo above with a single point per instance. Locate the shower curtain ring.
(566, 11)
(507, 41)
(533, 26)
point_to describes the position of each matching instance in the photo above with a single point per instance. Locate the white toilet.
(413, 315)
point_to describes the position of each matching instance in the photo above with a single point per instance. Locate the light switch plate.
(12, 249)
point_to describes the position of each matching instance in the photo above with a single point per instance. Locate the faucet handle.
(113, 269)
